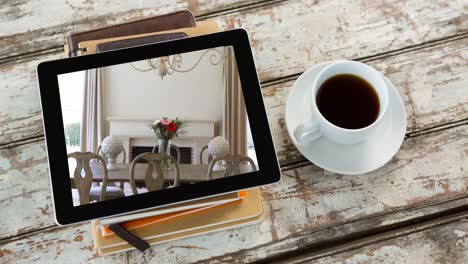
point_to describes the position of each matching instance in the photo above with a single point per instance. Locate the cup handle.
(307, 132)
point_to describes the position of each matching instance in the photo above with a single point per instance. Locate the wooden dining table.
(412, 210)
(188, 173)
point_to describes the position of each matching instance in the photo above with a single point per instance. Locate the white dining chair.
(201, 155)
(83, 183)
(232, 163)
(154, 161)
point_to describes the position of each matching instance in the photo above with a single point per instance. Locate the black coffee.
(348, 101)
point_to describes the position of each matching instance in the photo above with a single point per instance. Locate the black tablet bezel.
(47, 72)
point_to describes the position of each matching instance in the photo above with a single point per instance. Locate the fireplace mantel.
(136, 132)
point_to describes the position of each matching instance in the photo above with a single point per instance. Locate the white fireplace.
(137, 133)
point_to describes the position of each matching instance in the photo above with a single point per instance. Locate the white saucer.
(348, 159)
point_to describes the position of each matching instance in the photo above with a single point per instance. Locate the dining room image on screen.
(153, 124)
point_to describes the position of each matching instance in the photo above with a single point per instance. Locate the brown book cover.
(205, 27)
(132, 42)
(176, 20)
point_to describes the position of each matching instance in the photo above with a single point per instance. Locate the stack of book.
(180, 221)
(176, 221)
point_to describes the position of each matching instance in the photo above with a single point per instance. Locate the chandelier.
(167, 65)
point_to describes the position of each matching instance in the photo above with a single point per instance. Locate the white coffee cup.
(317, 125)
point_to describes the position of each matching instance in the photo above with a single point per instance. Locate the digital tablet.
(154, 125)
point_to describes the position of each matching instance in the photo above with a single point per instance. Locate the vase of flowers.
(164, 146)
(166, 130)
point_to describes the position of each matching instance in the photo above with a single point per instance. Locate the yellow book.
(246, 212)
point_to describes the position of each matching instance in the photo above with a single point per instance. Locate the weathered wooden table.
(412, 210)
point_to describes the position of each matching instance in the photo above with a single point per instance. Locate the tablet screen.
(154, 124)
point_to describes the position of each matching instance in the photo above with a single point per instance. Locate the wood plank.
(439, 244)
(296, 34)
(307, 205)
(23, 21)
(20, 113)
(62, 245)
(25, 196)
(328, 43)
(432, 82)
(334, 239)
(304, 27)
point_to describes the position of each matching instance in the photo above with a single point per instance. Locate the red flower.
(171, 127)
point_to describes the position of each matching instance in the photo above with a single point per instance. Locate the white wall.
(71, 96)
(195, 95)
